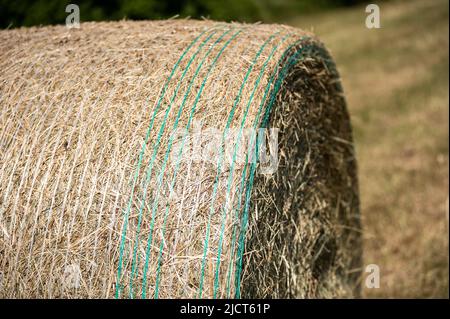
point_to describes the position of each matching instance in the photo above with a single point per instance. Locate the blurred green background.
(44, 12)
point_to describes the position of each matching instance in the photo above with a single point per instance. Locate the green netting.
(140, 159)
(246, 182)
(149, 241)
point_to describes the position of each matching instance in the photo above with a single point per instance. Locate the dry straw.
(99, 200)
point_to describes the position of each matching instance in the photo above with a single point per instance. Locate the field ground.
(396, 80)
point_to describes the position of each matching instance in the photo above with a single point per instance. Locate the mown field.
(396, 83)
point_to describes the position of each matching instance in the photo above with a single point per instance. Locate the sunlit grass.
(396, 83)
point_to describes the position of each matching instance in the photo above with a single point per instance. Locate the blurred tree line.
(16, 13)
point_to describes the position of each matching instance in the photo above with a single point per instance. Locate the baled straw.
(112, 185)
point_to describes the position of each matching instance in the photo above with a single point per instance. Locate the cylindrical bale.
(174, 159)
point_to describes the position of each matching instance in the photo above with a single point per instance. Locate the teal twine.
(160, 179)
(239, 192)
(244, 218)
(292, 60)
(196, 101)
(155, 151)
(236, 147)
(230, 117)
(136, 174)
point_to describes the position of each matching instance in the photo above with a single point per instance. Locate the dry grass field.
(396, 83)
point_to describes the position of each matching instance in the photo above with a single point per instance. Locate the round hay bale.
(174, 159)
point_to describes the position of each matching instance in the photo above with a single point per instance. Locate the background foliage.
(43, 12)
